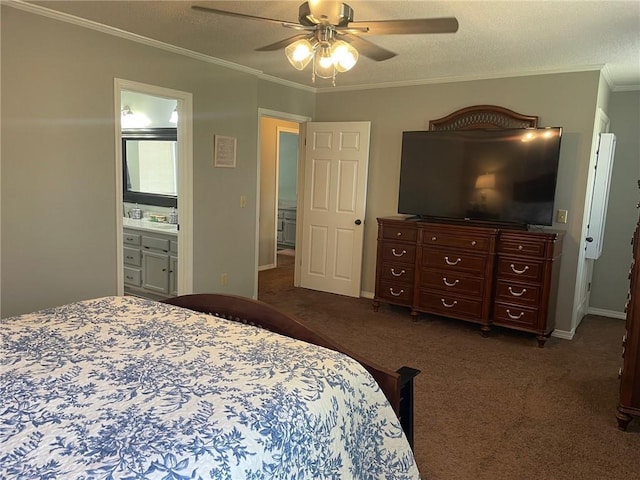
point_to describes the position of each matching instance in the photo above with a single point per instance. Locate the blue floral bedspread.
(125, 388)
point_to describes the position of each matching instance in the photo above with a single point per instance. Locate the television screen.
(503, 175)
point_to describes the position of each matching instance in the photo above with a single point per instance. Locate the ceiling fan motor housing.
(325, 12)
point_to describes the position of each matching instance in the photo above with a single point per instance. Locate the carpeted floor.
(488, 408)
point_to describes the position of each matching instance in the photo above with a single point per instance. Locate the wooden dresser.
(489, 276)
(629, 405)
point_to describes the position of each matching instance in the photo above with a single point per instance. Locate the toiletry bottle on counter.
(135, 212)
(172, 218)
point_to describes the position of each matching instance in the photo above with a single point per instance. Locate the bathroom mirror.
(149, 166)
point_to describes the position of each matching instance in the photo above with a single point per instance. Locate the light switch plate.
(562, 216)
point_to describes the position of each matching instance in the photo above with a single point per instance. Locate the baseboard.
(266, 267)
(564, 334)
(607, 313)
(364, 294)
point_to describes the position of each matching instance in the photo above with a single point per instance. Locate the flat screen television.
(502, 175)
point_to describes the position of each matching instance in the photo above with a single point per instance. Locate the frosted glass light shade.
(344, 56)
(299, 53)
(324, 66)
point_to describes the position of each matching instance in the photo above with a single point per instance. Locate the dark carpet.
(487, 408)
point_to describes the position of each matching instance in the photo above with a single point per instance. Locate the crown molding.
(90, 24)
(465, 78)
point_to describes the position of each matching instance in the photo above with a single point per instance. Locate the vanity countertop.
(149, 226)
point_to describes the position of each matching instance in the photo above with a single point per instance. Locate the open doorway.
(286, 193)
(278, 194)
(168, 272)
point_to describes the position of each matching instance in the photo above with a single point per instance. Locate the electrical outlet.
(224, 279)
(243, 201)
(562, 216)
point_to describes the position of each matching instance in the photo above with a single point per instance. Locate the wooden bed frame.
(397, 386)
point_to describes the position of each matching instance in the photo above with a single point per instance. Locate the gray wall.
(610, 272)
(566, 100)
(58, 159)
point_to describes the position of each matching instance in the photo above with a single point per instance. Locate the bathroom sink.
(148, 225)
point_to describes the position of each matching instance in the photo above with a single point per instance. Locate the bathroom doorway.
(146, 110)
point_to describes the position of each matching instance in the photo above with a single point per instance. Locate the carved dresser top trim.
(483, 116)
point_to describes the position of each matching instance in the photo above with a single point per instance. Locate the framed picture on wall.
(224, 151)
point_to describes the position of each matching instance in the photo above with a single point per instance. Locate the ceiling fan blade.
(281, 44)
(368, 49)
(409, 26)
(237, 15)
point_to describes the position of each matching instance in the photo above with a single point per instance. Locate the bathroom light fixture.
(126, 111)
(129, 119)
(327, 55)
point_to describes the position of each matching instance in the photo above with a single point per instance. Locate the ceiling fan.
(333, 40)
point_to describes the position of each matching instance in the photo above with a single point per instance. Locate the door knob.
(358, 221)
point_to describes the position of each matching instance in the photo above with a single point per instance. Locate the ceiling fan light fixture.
(323, 64)
(344, 56)
(299, 53)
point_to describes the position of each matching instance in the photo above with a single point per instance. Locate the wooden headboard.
(483, 116)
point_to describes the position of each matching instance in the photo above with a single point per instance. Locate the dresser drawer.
(450, 305)
(521, 294)
(408, 233)
(398, 252)
(451, 282)
(397, 273)
(515, 247)
(515, 316)
(132, 256)
(453, 260)
(132, 276)
(470, 241)
(396, 293)
(524, 270)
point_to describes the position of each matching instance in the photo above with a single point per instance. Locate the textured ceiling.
(495, 38)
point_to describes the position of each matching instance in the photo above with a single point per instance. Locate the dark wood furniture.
(485, 273)
(489, 276)
(629, 405)
(397, 386)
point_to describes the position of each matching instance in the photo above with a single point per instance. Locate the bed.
(197, 387)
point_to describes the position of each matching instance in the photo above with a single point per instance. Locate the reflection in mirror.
(149, 166)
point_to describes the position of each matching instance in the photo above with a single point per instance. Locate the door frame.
(185, 179)
(280, 129)
(301, 120)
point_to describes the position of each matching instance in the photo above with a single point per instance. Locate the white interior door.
(335, 189)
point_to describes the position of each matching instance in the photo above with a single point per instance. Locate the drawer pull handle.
(394, 293)
(450, 284)
(448, 305)
(514, 317)
(433, 239)
(517, 294)
(393, 272)
(455, 262)
(399, 234)
(129, 277)
(520, 247)
(620, 372)
(474, 243)
(395, 254)
(515, 270)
